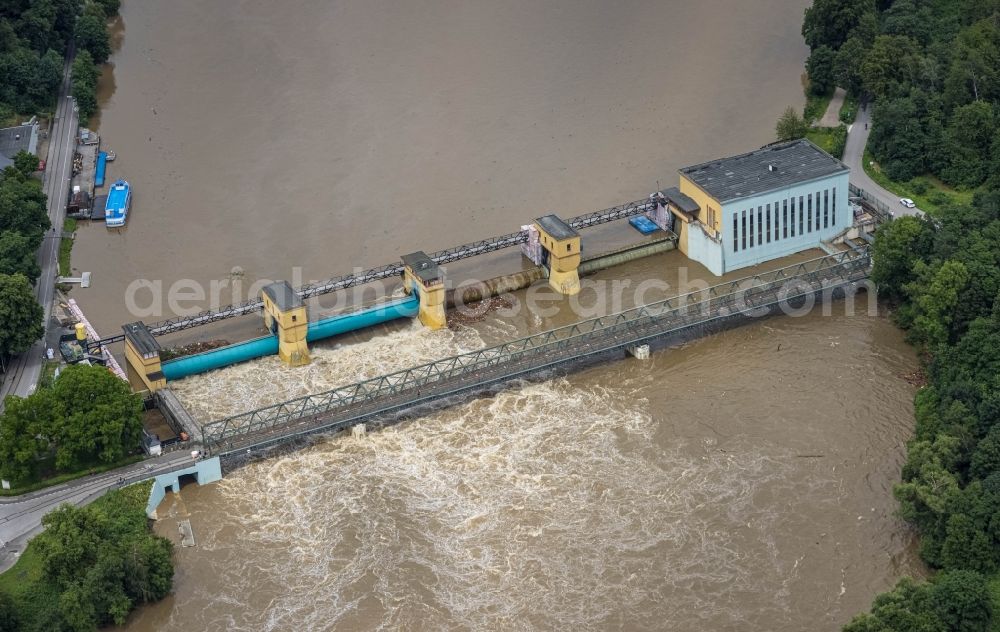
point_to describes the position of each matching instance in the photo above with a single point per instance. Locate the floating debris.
(915, 378)
(191, 349)
(476, 312)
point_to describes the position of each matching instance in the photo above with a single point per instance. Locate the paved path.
(20, 516)
(831, 118)
(857, 138)
(24, 370)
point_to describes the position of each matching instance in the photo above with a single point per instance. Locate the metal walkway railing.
(879, 210)
(356, 402)
(448, 255)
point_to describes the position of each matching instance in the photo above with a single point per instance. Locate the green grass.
(822, 137)
(829, 139)
(48, 373)
(934, 195)
(27, 570)
(816, 106)
(65, 248)
(849, 109)
(36, 484)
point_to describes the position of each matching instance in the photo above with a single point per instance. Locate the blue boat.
(643, 224)
(116, 209)
(102, 164)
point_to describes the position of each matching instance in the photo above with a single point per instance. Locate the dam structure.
(728, 214)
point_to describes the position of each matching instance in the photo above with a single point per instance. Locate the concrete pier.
(204, 472)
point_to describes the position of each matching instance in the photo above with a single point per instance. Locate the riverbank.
(75, 572)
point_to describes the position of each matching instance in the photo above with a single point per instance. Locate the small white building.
(769, 203)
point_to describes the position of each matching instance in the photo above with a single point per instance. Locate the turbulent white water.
(477, 510)
(265, 381)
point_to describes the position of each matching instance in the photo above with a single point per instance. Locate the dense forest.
(942, 274)
(932, 70)
(34, 38)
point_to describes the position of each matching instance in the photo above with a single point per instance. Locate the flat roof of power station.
(766, 169)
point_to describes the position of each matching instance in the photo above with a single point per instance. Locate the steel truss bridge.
(448, 255)
(355, 403)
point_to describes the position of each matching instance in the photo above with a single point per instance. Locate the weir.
(731, 213)
(554, 245)
(268, 345)
(716, 307)
(456, 253)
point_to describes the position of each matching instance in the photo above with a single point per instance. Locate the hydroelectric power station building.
(740, 211)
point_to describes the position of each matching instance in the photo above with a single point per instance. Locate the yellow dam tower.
(423, 276)
(142, 352)
(285, 316)
(562, 243)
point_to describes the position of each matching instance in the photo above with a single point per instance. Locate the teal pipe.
(268, 345)
(384, 312)
(218, 358)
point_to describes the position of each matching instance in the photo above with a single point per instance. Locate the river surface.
(740, 482)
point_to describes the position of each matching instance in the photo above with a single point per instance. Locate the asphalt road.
(24, 370)
(857, 138)
(20, 516)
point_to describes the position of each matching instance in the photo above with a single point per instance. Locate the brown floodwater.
(740, 482)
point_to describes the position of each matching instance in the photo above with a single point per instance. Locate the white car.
(907, 202)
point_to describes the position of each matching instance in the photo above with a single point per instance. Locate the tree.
(930, 490)
(26, 162)
(85, 75)
(890, 65)
(903, 18)
(17, 256)
(936, 294)
(898, 246)
(110, 7)
(100, 561)
(820, 68)
(92, 36)
(847, 64)
(102, 419)
(898, 139)
(967, 545)
(906, 607)
(23, 206)
(986, 458)
(830, 22)
(70, 543)
(968, 140)
(9, 620)
(790, 126)
(961, 599)
(148, 569)
(26, 428)
(20, 315)
(973, 74)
